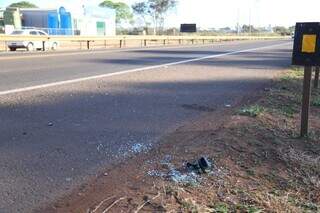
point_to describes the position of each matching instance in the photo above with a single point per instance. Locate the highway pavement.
(66, 116)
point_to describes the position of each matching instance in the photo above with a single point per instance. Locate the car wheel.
(30, 47)
(54, 46)
(12, 48)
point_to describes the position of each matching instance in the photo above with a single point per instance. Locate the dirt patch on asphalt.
(257, 163)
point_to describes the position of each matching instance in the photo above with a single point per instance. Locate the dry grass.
(304, 166)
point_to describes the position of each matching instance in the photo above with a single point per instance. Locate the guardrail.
(143, 39)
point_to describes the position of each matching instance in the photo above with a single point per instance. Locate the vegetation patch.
(252, 111)
(316, 102)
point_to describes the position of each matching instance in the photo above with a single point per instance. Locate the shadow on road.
(249, 60)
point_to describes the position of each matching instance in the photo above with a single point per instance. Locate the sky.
(219, 13)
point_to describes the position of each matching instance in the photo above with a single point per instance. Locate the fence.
(53, 31)
(94, 42)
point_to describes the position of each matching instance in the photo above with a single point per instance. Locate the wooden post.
(120, 43)
(145, 42)
(43, 46)
(164, 42)
(306, 101)
(88, 45)
(316, 78)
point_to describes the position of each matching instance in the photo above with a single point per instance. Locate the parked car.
(31, 45)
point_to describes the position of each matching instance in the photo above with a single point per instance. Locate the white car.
(31, 45)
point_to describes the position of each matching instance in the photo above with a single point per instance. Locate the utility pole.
(238, 21)
(250, 29)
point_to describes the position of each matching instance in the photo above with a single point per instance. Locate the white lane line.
(59, 83)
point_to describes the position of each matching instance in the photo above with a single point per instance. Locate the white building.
(93, 20)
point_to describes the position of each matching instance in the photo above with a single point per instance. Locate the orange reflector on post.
(309, 43)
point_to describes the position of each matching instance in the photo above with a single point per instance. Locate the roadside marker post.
(306, 101)
(316, 78)
(306, 52)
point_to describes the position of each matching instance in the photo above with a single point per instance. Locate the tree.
(248, 29)
(141, 9)
(155, 10)
(158, 9)
(123, 12)
(23, 4)
(281, 30)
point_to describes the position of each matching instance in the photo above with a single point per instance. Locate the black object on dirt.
(203, 165)
(194, 166)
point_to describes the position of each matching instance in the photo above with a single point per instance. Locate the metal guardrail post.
(88, 45)
(316, 78)
(122, 39)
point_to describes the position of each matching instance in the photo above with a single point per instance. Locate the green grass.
(252, 111)
(296, 73)
(221, 208)
(250, 172)
(249, 209)
(190, 207)
(288, 111)
(316, 102)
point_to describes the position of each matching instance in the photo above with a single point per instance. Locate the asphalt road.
(67, 116)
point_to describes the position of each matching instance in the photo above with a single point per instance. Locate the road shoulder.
(258, 163)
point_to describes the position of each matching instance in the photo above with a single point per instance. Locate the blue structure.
(89, 20)
(54, 22)
(65, 22)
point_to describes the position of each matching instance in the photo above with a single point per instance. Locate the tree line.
(150, 12)
(151, 15)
